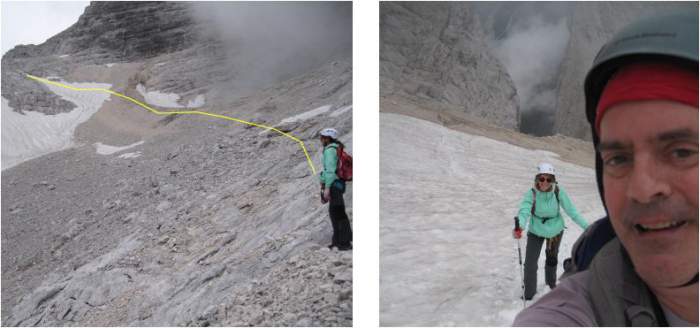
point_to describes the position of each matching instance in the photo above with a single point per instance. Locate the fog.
(530, 41)
(266, 42)
(532, 53)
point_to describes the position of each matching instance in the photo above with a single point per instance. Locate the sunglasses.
(543, 179)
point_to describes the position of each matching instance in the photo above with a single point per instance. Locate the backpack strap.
(591, 241)
(339, 151)
(534, 201)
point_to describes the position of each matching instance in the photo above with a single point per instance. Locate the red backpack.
(344, 168)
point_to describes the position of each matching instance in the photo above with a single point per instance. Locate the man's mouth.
(661, 226)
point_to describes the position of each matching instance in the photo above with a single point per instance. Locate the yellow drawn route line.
(187, 112)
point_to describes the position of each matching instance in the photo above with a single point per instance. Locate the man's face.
(650, 174)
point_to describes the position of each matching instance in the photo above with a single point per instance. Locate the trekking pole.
(520, 260)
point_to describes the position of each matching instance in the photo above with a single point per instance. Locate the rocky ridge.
(439, 52)
(107, 32)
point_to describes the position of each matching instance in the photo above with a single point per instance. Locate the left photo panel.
(177, 164)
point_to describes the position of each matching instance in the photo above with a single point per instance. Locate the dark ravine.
(214, 224)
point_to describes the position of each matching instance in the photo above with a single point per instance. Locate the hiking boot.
(345, 248)
(528, 298)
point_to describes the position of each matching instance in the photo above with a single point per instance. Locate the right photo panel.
(538, 163)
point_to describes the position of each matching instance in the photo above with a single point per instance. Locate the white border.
(366, 163)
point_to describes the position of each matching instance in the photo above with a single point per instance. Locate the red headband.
(649, 81)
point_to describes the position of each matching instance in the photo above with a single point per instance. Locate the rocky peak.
(439, 52)
(121, 30)
(106, 32)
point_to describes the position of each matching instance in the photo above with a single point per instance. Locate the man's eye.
(683, 156)
(616, 160)
(617, 164)
(682, 153)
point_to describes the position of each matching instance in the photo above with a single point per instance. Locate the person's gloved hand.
(517, 233)
(326, 195)
(323, 199)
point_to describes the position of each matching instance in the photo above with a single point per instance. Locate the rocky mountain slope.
(200, 221)
(438, 52)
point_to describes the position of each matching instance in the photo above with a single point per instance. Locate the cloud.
(270, 41)
(532, 53)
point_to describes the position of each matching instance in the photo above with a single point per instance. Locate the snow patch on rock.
(292, 121)
(171, 100)
(341, 111)
(306, 115)
(130, 155)
(32, 134)
(103, 149)
(196, 102)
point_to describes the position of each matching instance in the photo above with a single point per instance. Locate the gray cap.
(670, 37)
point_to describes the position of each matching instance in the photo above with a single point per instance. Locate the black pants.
(342, 232)
(532, 254)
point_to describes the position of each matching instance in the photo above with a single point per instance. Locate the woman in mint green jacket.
(332, 189)
(539, 211)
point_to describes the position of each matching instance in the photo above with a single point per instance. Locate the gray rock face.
(439, 52)
(592, 24)
(107, 32)
(121, 31)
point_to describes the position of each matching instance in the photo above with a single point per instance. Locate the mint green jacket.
(330, 163)
(546, 207)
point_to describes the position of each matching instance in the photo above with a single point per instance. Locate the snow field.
(32, 134)
(447, 202)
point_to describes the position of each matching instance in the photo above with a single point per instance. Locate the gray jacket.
(609, 293)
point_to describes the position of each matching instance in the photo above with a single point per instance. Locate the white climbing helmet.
(330, 132)
(545, 168)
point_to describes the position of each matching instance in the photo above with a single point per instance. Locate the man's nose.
(647, 180)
